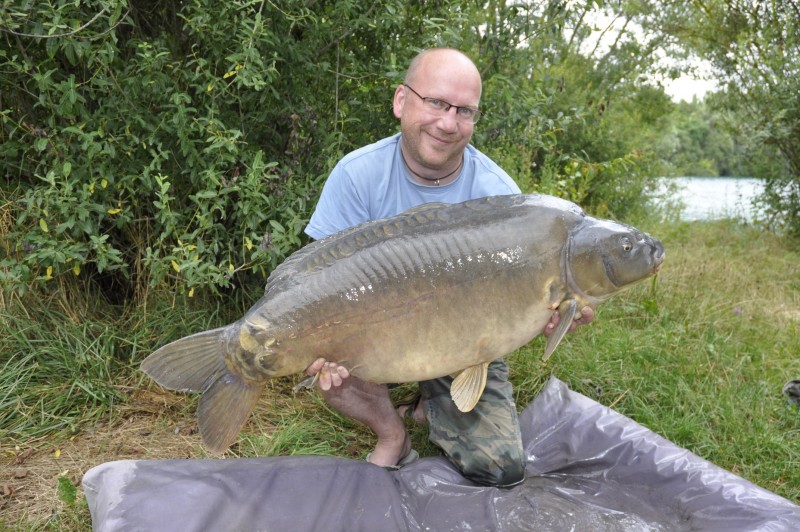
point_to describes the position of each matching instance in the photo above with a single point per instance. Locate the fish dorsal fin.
(328, 250)
(566, 313)
(468, 386)
(425, 207)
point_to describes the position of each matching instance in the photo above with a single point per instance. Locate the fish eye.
(626, 244)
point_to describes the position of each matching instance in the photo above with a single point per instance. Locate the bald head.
(444, 63)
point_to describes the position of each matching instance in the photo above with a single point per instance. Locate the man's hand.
(329, 374)
(586, 315)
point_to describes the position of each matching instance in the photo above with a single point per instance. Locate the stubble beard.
(429, 158)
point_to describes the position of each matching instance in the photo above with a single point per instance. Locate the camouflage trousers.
(485, 443)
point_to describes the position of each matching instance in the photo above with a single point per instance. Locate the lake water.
(709, 198)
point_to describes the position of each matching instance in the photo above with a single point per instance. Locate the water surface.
(710, 198)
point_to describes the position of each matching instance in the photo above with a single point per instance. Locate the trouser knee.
(501, 471)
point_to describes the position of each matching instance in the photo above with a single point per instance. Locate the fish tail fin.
(189, 364)
(223, 410)
(196, 363)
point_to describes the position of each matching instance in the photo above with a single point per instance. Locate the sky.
(686, 87)
(698, 82)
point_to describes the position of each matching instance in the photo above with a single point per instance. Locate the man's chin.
(434, 159)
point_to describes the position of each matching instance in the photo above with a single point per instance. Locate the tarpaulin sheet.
(588, 468)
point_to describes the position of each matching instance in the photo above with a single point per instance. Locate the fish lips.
(659, 254)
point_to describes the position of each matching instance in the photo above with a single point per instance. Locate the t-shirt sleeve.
(340, 206)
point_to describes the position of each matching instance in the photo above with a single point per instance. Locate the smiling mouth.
(439, 138)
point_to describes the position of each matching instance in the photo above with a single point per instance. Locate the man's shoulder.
(371, 152)
(489, 173)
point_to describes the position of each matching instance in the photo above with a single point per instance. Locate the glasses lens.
(466, 114)
(434, 104)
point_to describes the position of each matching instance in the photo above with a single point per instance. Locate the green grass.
(59, 372)
(700, 357)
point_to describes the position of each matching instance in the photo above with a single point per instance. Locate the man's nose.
(449, 119)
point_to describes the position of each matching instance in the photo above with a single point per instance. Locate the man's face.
(436, 140)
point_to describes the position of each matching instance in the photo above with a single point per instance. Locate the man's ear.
(399, 100)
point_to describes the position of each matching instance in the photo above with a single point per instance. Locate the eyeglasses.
(437, 106)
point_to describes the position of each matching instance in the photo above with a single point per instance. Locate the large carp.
(438, 290)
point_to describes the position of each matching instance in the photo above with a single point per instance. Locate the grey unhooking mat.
(589, 468)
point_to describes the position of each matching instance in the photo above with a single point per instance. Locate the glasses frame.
(434, 104)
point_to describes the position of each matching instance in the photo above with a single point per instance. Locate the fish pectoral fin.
(566, 313)
(468, 386)
(306, 384)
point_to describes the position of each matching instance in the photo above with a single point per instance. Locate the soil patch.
(151, 425)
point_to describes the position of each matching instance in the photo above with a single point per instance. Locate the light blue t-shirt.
(373, 182)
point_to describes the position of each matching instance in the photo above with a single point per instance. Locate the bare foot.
(389, 453)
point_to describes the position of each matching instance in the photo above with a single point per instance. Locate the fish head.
(604, 257)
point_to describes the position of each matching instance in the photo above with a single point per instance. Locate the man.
(431, 160)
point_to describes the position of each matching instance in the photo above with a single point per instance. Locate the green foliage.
(63, 361)
(54, 371)
(700, 142)
(67, 492)
(564, 124)
(183, 146)
(106, 127)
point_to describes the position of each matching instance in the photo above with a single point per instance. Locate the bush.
(145, 146)
(154, 144)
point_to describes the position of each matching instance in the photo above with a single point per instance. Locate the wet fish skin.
(435, 291)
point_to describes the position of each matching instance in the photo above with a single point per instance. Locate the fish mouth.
(658, 261)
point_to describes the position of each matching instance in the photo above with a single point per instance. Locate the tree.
(755, 50)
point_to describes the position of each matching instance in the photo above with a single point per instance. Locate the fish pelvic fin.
(223, 410)
(468, 386)
(189, 364)
(566, 313)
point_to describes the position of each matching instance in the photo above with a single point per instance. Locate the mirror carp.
(438, 290)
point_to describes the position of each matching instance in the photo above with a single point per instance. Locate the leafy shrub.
(145, 145)
(155, 144)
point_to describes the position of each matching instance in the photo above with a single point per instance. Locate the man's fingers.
(329, 374)
(325, 380)
(315, 367)
(586, 315)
